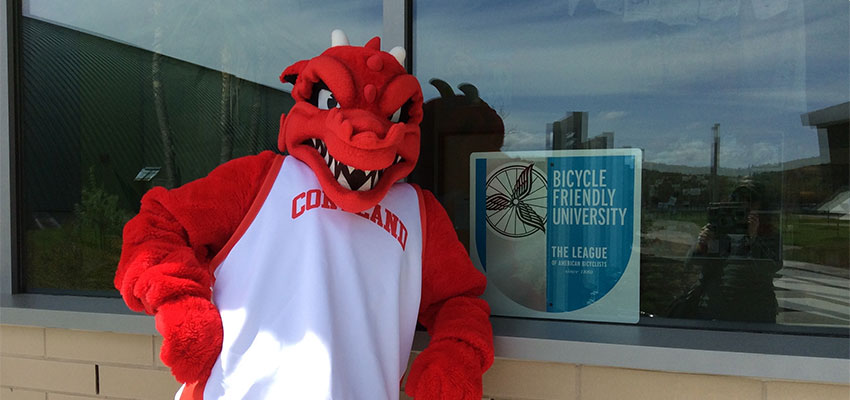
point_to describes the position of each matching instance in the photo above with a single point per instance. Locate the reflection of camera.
(728, 218)
(728, 225)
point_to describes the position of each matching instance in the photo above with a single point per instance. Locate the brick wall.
(61, 364)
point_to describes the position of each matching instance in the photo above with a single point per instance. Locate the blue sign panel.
(556, 232)
(591, 228)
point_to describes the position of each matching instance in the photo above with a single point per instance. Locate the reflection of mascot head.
(355, 121)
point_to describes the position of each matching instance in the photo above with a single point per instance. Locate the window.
(740, 110)
(119, 96)
(768, 79)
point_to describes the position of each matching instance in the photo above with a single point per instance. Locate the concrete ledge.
(73, 312)
(797, 357)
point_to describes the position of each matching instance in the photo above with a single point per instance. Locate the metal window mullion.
(397, 28)
(8, 235)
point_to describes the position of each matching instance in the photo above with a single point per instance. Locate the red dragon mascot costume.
(303, 276)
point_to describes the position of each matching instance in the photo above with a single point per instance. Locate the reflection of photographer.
(738, 252)
(730, 227)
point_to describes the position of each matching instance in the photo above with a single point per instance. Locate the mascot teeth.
(347, 176)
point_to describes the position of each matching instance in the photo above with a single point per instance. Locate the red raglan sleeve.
(167, 248)
(457, 319)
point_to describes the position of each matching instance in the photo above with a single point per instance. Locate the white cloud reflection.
(657, 73)
(689, 152)
(612, 115)
(733, 153)
(647, 70)
(587, 55)
(253, 40)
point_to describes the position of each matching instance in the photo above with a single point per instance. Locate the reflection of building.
(832, 124)
(571, 133)
(715, 164)
(603, 141)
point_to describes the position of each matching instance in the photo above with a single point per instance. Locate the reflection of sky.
(657, 73)
(254, 40)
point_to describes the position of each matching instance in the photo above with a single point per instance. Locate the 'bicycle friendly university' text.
(582, 197)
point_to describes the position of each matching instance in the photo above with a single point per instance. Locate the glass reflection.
(120, 96)
(253, 40)
(714, 92)
(737, 252)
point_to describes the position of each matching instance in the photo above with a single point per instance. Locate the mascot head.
(355, 121)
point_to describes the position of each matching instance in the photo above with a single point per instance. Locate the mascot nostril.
(369, 128)
(359, 256)
(366, 138)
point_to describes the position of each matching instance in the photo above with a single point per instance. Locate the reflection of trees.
(225, 123)
(159, 106)
(162, 123)
(116, 110)
(254, 125)
(229, 109)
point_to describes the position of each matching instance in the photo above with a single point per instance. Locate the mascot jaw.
(348, 177)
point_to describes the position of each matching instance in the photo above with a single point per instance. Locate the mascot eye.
(322, 97)
(400, 115)
(326, 100)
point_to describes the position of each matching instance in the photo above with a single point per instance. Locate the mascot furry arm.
(355, 126)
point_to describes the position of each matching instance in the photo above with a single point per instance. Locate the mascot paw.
(448, 370)
(192, 333)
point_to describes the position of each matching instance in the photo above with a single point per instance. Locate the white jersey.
(316, 302)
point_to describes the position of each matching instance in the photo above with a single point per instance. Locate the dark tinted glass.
(120, 96)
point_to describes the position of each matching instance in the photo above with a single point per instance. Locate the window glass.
(119, 96)
(739, 108)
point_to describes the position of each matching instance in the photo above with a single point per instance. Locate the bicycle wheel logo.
(516, 200)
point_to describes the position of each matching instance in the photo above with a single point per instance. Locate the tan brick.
(413, 355)
(530, 380)
(806, 391)
(57, 396)
(157, 347)
(48, 375)
(615, 383)
(21, 340)
(100, 347)
(403, 395)
(19, 394)
(137, 383)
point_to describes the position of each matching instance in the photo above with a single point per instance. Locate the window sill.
(73, 312)
(698, 351)
(754, 355)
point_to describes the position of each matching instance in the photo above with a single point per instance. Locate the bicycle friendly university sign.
(558, 232)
